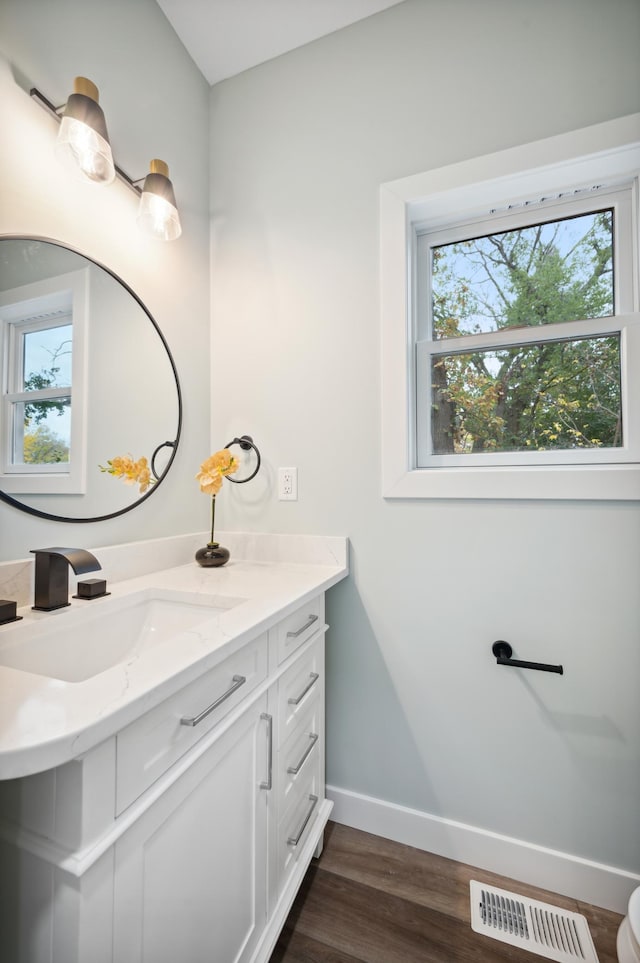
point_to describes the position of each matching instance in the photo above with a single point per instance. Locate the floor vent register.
(537, 927)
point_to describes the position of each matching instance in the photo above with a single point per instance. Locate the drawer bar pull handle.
(269, 781)
(238, 680)
(303, 628)
(314, 678)
(294, 840)
(294, 770)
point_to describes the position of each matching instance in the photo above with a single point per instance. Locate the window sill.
(44, 483)
(586, 482)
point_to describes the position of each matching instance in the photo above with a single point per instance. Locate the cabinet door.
(190, 875)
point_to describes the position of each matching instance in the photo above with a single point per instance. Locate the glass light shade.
(83, 141)
(158, 212)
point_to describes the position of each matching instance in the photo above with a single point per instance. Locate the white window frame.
(57, 311)
(623, 322)
(606, 154)
(69, 294)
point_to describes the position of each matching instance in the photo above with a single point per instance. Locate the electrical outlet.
(287, 484)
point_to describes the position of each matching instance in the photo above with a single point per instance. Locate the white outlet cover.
(288, 484)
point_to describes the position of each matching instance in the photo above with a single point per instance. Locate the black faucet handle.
(91, 588)
(8, 611)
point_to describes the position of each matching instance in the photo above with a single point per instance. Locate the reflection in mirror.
(87, 378)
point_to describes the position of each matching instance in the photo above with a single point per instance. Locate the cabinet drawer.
(151, 744)
(293, 631)
(296, 824)
(298, 687)
(301, 754)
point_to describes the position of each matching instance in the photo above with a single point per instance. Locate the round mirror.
(90, 409)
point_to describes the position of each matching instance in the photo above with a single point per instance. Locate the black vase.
(213, 555)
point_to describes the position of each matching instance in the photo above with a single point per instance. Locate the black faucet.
(52, 574)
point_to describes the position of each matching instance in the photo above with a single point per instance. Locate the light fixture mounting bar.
(54, 112)
(45, 104)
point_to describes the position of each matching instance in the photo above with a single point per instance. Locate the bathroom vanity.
(167, 805)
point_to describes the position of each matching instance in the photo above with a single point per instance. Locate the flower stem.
(213, 518)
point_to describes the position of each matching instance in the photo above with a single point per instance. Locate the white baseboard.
(577, 878)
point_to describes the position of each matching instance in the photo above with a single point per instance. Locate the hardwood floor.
(370, 900)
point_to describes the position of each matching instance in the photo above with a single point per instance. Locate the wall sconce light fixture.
(158, 212)
(83, 141)
(83, 145)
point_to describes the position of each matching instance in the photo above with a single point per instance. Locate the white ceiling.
(225, 37)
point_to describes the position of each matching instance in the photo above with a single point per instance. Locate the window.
(42, 413)
(38, 400)
(511, 337)
(519, 357)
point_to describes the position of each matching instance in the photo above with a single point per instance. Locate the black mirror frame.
(166, 444)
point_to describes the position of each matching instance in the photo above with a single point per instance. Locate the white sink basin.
(74, 645)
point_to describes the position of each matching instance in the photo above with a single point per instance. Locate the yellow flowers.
(132, 472)
(213, 470)
(210, 476)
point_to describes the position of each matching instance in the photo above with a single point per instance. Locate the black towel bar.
(503, 652)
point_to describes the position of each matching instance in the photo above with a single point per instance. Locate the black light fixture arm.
(503, 652)
(246, 443)
(46, 103)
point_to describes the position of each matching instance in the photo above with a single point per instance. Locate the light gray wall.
(156, 104)
(418, 712)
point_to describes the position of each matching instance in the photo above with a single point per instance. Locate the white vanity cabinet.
(186, 835)
(190, 873)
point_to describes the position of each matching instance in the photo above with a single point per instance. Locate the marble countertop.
(45, 722)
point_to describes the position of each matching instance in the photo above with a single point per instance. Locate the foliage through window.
(518, 352)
